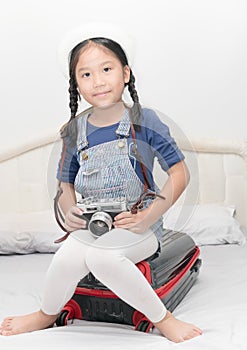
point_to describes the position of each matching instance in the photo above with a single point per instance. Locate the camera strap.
(147, 193)
(57, 211)
(134, 208)
(139, 158)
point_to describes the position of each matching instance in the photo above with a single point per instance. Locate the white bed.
(212, 211)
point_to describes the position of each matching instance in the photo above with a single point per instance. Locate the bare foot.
(27, 323)
(176, 330)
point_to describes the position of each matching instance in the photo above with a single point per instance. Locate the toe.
(6, 321)
(6, 333)
(192, 334)
(198, 330)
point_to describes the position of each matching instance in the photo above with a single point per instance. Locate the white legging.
(111, 258)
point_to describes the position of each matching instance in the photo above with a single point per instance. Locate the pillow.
(207, 224)
(25, 233)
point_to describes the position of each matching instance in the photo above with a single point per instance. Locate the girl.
(101, 160)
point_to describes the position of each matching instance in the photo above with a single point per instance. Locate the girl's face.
(100, 76)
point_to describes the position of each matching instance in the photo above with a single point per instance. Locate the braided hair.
(70, 128)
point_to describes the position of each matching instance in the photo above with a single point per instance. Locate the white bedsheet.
(217, 303)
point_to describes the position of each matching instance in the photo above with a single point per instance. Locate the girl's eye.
(107, 69)
(86, 75)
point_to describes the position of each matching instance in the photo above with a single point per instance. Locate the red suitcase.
(171, 271)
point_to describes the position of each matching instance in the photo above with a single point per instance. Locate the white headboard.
(222, 173)
(218, 174)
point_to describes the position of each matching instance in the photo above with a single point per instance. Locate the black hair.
(135, 111)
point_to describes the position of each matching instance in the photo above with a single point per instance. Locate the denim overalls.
(106, 170)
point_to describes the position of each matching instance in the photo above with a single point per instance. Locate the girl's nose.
(98, 80)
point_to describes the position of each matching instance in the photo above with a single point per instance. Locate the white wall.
(190, 62)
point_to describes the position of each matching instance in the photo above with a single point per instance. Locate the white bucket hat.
(92, 30)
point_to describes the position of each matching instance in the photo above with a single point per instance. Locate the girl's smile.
(102, 94)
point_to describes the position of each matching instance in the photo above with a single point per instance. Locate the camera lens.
(100, 223)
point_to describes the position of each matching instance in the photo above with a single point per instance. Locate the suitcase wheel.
(143, 326)
(62, 318)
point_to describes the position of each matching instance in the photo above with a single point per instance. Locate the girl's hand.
(73, 220)
(133, 222)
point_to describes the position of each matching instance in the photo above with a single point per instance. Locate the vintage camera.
(100, 213)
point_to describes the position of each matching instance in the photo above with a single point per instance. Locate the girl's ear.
(126, 74)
